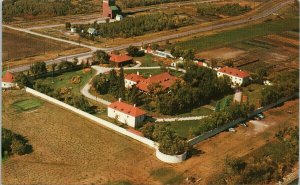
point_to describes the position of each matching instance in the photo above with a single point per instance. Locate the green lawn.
(185, 128)
(201, 111)
(167, 176)
(240, 34)
(64, 80)
(28, 104)
(146, 60)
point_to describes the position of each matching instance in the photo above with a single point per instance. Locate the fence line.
(216, 131)
(99, 121)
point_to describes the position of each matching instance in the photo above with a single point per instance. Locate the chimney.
(134, 105)
(120, 99)
(138, 73)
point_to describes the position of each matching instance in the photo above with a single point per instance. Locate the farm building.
(8, 80)
(133, 79)
(165, 80)
(110, 9)
(120, 60)
(126, 113)
(237, 77)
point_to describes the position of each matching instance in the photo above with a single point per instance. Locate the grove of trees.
(208, 9)
(136, 3)
(135, 26)
(27, 8)
(14, 144)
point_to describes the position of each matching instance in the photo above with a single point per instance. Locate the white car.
(231, 130)
(261, 116)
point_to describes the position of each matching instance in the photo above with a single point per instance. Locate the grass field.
(28, 104)
(240, 34)
(64, 80)
(167, 176)
(185, 128)
(147, 60)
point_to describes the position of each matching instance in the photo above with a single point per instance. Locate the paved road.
(262, 14)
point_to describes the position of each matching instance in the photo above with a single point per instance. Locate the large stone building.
(126, 113)
(110, 9)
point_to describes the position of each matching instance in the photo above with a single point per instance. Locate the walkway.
(179, 119)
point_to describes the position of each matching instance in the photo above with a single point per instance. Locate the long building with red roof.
(126, 113)
(237, 77)
(120, 60)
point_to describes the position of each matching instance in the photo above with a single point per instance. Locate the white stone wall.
(97, 120)
(129, 83)
(170, 158)
(6, 85)
(124, 118)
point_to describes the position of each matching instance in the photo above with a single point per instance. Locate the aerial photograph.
(150, 92)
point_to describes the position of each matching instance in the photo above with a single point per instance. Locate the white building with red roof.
(237, 77)
(126, 113)
(133, 79)
(8, 80)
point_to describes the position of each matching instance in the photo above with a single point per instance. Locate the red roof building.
(165, 80)
(234, 72)
(8, 77)
(127, 109)
(134, 77)
(238, 77)
(120, 60)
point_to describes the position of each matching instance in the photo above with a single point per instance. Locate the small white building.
(73, 30)
(92, 31)
(8, 80)
(237, 77)
(163, 54)
(126, 113)
(119, 17)
(133, 79)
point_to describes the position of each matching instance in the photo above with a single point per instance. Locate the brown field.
(21, 48)
(223, 53)
(71, 150)
(77, 151)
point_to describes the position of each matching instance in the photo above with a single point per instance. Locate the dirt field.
(224, 53)
(72, 150)
(213, 151)
(21, 48)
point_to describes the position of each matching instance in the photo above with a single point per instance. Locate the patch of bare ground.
(68, 149)
(223, 53)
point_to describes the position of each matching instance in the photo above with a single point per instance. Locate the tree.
(68, 25)
(40, 86)
(133, 51)
(81, 103)
(134, 95)
(101, 84)
(189, 54)
(101, 56)
(121, 84)
(53, 66)
(38, 68)
(154, 46)
(176, 51)
(23, 80)
(113, 83)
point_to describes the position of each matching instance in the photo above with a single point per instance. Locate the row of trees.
(136, 3)
(208, 9)
(169, 142)
(285, 84)
(14, 144)
(268, 166)
(13, 8)
(135, 26)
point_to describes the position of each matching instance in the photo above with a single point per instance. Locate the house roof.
(134, 77)
(127, 108)
(164, 79)
(8, 77)
(120, 58)
(234, 72)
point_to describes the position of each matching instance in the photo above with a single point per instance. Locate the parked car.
(244, 124)
(256, 118)
(261, 116)
(231, 130)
